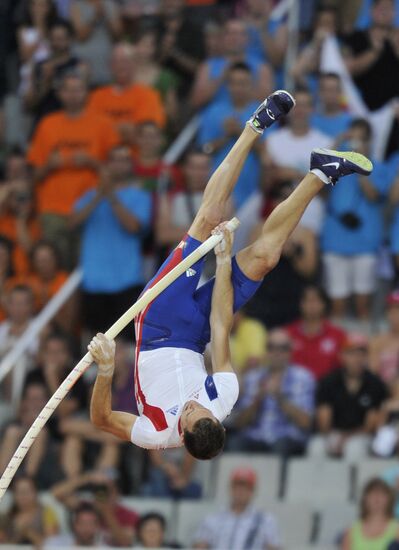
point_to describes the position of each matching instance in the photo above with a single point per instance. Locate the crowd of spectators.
(92, 93)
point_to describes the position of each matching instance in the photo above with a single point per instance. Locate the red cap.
(355, 340)
(393, 298)
(244, 475)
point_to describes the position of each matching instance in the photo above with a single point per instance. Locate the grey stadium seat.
(372, 467)
(190, 514)
(317, 480)
(267, 469)
(334, 519)
(295, 521)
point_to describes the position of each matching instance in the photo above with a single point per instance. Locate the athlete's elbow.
(98, 418)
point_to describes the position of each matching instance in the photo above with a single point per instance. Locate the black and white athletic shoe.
(278, 104)
(335, 164)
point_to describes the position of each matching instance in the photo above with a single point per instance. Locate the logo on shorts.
(173, 410)
(190, 272)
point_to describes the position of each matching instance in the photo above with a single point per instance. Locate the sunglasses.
(279, 347)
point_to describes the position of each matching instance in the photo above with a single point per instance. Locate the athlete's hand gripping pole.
(87, 360)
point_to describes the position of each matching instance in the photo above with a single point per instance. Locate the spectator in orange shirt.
(17, 221)
(45, 279)
(67, 150)
(127, 103)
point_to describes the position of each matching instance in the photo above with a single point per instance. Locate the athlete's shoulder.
(226, 381)
(222, 389)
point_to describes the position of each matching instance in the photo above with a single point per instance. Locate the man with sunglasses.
(276, 407)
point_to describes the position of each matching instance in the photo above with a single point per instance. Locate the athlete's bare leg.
(259, 258)
(220, 186)
(225, 177)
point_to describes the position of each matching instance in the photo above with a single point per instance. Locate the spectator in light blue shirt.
(267, 37)
(330, 118)
(276, 406)
(210, 85)
(221, 124)
(113, 219)
(353, 230)
(364, 18)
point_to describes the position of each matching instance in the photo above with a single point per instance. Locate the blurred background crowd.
(113, 114)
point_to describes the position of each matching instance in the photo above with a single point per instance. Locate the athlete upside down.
(179, 404)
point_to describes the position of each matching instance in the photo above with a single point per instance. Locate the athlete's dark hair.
(330, 74)
(363, 124)
(206, 440)
(240, 66)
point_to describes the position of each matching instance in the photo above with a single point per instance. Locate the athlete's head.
(203, 434)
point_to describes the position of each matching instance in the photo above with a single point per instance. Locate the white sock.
(320, 175)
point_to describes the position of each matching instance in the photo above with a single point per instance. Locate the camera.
(350, 220)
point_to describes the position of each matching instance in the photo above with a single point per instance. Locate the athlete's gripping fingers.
(224, 249)
(103, 352)
(218, 230)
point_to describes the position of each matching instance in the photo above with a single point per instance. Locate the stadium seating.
(189, 515)
(295, 520)
(368, 468)
(267, 469)
(318, 481)
(333, 518)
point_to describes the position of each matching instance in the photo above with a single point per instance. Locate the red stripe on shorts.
(155, 414)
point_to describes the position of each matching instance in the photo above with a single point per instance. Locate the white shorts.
(347, 275)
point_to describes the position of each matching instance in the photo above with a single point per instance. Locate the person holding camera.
(275, 410)
(353, 230)
(117, 523)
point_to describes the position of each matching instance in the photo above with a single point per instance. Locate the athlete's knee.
(266, 253)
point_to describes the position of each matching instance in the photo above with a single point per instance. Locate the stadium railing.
(15, 357)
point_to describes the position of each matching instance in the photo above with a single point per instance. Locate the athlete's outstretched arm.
(101, 414)
(222, 304)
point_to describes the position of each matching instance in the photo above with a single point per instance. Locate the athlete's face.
(192, 412)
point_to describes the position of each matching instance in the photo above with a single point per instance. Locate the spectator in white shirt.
(19, 306)
(241, 526)
(287, 153)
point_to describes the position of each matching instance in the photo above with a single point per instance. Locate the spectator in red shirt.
(316, 341)
(148, 165)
